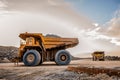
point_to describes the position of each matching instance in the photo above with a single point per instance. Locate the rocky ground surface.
(7, 52)
(51, 71)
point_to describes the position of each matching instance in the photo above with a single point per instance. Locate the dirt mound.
(53, 35)
(7, 52)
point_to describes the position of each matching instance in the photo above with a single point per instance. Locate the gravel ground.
(51, 71)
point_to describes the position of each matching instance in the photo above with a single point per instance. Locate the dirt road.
(51, 71)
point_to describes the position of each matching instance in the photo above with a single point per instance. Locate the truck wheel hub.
(63, 57)
(30, 58)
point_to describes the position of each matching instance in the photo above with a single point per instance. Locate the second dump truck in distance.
(98, 56)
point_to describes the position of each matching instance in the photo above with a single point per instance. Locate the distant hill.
(7, 52)
(75, 58)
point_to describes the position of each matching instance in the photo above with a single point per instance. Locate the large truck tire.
(32, 58)
(62, 57)
(41, 61)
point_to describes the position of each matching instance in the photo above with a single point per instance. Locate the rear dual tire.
(62, 57)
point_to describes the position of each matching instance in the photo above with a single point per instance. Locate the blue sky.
(100, 11)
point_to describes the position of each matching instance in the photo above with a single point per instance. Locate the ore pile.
(7, 52)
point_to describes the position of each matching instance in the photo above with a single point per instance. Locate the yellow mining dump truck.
(98, 56)
(36, 48)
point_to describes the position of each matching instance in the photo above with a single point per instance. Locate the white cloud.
(42, 16)
(112, 29)
(2, 5)
(113, 26)
(115, 41)
(96, 24)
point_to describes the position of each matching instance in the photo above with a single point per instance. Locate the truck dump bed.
(60, 42)
(52, 42)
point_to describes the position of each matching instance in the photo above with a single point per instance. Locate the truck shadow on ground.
(42, 65)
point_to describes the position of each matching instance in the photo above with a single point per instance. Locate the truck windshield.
(22, 42)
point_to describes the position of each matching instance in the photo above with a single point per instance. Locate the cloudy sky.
(94, 22)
